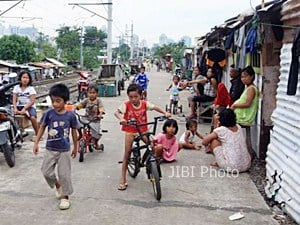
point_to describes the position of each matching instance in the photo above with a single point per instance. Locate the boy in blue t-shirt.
(59, 122)
(142, 80)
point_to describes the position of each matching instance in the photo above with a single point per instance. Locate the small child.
(187, 138)
(142, 80)
(94, 111)
(59, 122)
(174, 89)
(165, 143)
(228, 144)
(134, 108)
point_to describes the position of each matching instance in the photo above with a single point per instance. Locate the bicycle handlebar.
(156, 119)
(84, 122)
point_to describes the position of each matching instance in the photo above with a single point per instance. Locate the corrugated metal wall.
(283, 156)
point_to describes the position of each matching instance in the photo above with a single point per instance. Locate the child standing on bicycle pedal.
(174, 89)
(134, 108)
(165, 143)
(142, 80)
(59, 122)
(187, 138)
(94, 111)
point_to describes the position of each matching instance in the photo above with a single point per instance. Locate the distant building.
(187, 41)
(163, 39)
(135, 41)
(30, 32)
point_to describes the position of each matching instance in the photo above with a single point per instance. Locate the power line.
(13, 6)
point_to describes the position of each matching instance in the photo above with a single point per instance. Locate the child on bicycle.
(94, 111)
(142, 80)
(174, 89)
(59, 122)
(187, 138)
(165, 143)
(134, 108)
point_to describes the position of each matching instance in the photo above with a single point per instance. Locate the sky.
(150, 18)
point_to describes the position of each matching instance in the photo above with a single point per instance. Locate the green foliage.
(90, 60)
(68, 41)
(94, 38)
(94, 41)
(18, 48)
(123, 51)
(175, 49)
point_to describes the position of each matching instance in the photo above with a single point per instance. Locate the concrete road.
(192, 191)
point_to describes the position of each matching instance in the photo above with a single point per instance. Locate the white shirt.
(24, 95)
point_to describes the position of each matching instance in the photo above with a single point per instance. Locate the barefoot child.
(165, 143)
(187, 138)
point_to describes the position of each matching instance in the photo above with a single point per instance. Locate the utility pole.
(109, 32)
(109, 24)
(131, 39)
(131, 52)
(81, 48)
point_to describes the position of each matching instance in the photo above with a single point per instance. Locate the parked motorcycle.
(10, 134)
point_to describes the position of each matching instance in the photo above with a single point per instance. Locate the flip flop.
(122, 187)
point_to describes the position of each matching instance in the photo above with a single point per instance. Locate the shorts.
(31, 110)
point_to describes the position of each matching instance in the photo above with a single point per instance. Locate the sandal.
(122, 187)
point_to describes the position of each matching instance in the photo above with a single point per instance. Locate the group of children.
(165, 145)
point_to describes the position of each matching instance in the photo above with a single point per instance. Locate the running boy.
(134, 108)
(94, 110)
(59, 122)
(142, 80)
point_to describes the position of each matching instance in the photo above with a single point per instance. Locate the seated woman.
(228, 144)
(209, 93)
(246, 106)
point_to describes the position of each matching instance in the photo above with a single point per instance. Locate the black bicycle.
(148, 160)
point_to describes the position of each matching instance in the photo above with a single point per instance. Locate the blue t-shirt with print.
(59, 126)
(142, 79)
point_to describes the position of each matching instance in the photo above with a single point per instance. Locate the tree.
(68, 41)
(123, 51)
(94, 41)
(18, 48)
(94, 38)
(175, 49)
(44, 48)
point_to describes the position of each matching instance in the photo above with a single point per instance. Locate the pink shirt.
(170, 146)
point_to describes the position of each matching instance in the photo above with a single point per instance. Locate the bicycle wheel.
(155, 179)
(81, 150)
(133, 166)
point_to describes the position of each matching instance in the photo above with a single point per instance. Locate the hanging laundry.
(229, 41)
(251, 40)
(216, 60)
(294, 68)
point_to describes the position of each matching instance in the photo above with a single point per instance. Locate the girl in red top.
(134, 108)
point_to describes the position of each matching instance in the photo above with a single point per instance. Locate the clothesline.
(277, 25)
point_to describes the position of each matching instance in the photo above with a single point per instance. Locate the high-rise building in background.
(187, 41)
(30, 32)
(163, 39)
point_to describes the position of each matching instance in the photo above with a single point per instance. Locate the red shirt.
(223, 97)
(138, 113)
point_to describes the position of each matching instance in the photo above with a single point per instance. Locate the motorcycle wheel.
(9, 154)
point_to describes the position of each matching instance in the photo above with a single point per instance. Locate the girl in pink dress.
(165, 143)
